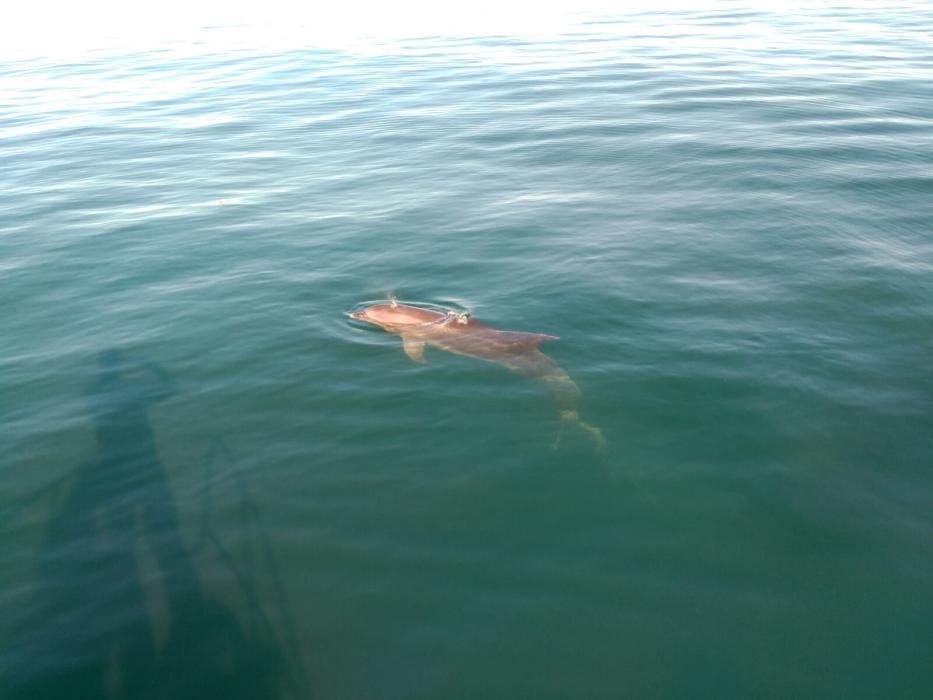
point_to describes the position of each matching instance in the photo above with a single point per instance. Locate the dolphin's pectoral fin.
(414, 349)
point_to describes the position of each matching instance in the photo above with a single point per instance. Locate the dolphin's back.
(479, 340)
(519, 340)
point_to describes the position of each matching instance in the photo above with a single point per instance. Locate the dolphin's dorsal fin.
(414, 349)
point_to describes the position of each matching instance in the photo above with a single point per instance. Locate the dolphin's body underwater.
(463, 335)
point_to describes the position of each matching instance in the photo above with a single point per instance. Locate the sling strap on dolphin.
(460, 334)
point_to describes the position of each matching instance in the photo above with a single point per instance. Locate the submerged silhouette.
(118, 608)
(463, 335)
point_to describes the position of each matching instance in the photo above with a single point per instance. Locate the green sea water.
(213, 485)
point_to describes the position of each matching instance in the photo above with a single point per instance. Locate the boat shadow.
(118, 607)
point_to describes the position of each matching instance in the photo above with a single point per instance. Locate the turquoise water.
(213, 484)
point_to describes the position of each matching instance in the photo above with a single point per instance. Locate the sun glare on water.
(54, 28)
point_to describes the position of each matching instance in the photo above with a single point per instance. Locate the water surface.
(213, 484)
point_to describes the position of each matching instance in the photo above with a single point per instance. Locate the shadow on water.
(118, 609)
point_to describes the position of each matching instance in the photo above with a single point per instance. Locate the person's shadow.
(118, 609)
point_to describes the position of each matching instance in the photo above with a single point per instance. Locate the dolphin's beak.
(355, 314)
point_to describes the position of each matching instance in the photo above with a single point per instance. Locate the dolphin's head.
(393, 316)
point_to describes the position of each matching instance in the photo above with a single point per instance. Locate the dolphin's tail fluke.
(594, 434)
(566, 395)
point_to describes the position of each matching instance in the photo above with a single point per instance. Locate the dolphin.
(460, 334)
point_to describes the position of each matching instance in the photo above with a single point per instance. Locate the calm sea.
(213, 485)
